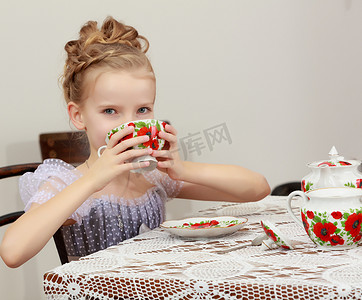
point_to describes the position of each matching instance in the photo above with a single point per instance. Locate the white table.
(157, 265)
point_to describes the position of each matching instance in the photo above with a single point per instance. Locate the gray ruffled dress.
(104, 221)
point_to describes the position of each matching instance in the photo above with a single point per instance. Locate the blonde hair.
(113, 46)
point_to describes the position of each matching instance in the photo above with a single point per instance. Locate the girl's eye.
(143, 110)
(109, 111)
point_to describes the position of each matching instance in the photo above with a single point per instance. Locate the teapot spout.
(325, 177)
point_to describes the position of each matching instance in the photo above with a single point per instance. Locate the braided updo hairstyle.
(115, 46)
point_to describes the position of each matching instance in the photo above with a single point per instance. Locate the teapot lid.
(335, 160)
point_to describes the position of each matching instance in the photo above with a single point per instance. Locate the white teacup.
(275, 235)
(150, 127)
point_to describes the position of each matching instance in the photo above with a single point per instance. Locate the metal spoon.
(255, 242)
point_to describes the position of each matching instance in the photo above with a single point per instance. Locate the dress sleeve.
(51, 177)
(170, 186)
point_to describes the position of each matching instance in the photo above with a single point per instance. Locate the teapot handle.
(289, 208)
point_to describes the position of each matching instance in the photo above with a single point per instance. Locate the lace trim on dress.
(172, 187)
(47, 180)
(54, 175)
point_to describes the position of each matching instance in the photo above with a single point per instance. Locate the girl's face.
(116, 97)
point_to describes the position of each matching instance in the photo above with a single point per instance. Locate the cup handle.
(289, 208)
(100, 150)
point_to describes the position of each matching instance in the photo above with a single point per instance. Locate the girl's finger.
(118, 136)
(131, 154)
(165, 164)
(137, 165)
(129, 143)
(162, 154)
(171, 138)
(169, 128)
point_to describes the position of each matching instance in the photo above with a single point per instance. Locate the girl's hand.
(115, 160)
(169, 159)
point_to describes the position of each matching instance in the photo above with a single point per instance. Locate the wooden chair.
(286, 188)
(12, 171)
(71, 147)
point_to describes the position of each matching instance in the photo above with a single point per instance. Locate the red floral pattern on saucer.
(204, 227)
(208, 224)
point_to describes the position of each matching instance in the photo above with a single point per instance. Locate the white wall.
(285, 76)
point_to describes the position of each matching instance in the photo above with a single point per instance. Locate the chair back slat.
(10, 218)
(17, 170)
(71, 147)
(286, 188)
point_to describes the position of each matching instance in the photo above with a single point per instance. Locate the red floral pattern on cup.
(353, 224)
(270, 233)
(150, 127)
(275, 237)
(152, 132)
(129, 135)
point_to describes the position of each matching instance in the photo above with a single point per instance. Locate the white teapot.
(332, 217)
(334, 172)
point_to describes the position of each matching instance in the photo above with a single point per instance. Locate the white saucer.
(204, 227)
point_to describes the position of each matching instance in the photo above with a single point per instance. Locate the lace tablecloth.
(157, 265)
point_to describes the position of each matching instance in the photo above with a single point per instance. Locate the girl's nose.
(132, 118)
(129, 118)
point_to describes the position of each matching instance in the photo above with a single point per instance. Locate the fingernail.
(149, 150)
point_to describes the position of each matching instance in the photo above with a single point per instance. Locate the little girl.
(107, 81)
